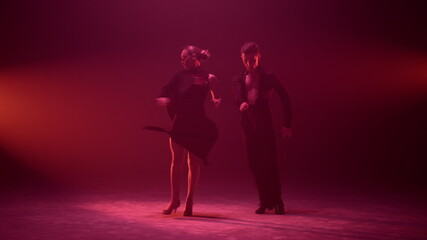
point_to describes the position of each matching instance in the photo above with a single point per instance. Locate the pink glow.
(77, 82)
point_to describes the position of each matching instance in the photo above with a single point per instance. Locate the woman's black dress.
(191, 128)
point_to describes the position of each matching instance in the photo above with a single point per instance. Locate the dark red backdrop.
(78, 79)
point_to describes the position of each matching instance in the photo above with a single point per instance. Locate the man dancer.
(253, 88)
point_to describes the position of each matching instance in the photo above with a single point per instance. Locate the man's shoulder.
(268, 76)
(239, 77)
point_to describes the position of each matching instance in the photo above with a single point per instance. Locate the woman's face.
(188, 61)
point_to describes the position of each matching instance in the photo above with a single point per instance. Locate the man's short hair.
(250, 48)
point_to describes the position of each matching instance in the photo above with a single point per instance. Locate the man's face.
(250, 60)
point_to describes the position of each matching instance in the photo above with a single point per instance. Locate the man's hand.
(163, 101)
(244, 106)
(286, 132)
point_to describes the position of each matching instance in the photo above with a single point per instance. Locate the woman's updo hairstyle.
(201, 55)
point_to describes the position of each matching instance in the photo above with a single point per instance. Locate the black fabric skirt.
(195, 132)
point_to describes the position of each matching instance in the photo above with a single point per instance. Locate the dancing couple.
(193, 134)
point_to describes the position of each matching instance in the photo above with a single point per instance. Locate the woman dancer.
(193, 134)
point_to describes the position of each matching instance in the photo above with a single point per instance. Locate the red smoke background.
(78, 80)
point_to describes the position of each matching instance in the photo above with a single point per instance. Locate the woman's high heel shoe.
(188, 208)
(173, 205)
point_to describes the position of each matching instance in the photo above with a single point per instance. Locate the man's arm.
(286, 104)
(239, 92)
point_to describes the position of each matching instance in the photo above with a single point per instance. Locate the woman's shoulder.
(180, 73)
(178, 76)
(212, 77)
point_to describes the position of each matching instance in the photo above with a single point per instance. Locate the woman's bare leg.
(194, 164)
(178, 155)
(193, 178)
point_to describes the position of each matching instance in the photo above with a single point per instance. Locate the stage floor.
(219, 213)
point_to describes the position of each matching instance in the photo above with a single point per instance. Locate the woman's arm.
(167, 91)
(213, 85)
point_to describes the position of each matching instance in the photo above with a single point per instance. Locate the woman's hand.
(244, 106)
(163, 101)
(213, 84)
(216, 102)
